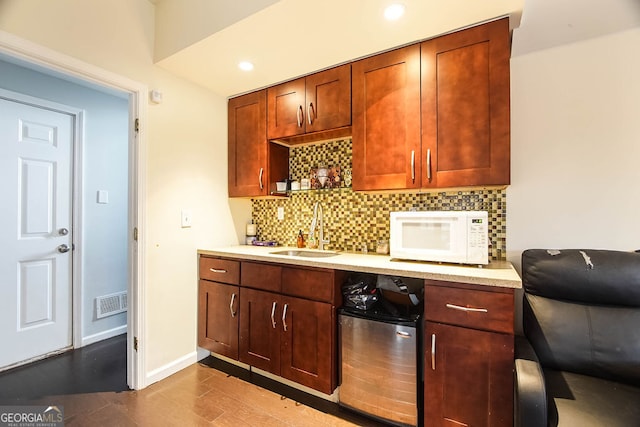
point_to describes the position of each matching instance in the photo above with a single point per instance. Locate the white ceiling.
(296, 37)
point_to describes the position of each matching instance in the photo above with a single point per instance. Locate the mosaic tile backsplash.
(353, 219)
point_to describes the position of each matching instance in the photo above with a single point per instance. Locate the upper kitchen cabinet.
(465, 107)
(386, 120)
(254, 164)
(315, 103)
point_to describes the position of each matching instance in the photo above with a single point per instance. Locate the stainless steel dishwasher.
(380, 365)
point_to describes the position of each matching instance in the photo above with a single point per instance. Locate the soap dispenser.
(300, 240)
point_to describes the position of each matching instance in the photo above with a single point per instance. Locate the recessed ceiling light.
(394, 11)
(245, 66)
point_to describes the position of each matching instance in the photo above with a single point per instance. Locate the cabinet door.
(218, 318)
(247, 121)
(386, 120)
(465, 107)
(328, 99)
(469, 379)
(286, 109)
(260, 328)
(308, 352)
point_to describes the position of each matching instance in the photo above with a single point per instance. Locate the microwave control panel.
(478, 239)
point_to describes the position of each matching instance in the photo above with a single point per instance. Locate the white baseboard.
(103, 335)
(202, 353)
(171, 368)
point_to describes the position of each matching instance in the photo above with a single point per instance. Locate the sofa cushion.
(578, 400)
(596, 340)
(587, 275)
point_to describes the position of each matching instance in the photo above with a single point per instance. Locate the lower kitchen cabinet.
(468, 363)
(468, 377)
(260, 329)
(290, 337)
(218, 318)
(307, 344)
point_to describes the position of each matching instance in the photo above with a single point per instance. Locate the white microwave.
(440, 236)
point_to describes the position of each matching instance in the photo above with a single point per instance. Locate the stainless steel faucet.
(318, 221)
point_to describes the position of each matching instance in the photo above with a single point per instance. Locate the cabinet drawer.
(261, 276)
(312, 284)
(220, 270)
(491, 311)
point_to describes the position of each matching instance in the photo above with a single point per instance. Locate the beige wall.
(186, 162)
(575, 153)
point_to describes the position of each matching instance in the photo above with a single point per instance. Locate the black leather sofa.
(579, 361)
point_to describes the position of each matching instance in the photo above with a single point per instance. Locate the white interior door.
(35, 258)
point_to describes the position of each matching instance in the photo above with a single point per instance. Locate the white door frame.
(138, 93)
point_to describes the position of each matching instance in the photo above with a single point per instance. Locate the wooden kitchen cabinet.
(218, 305)
(465, 107)
(386, 120)
(468, 364)
(435, 114)
(307, 344)
(287, 322)
(254, 163)
(260, 329)
(314, 103)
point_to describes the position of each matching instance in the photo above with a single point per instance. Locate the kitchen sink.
(306, 254)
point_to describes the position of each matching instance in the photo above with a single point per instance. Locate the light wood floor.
(196, 396)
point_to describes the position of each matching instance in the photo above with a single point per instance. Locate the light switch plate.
(103, 196)
(186, 218)
(280, 213)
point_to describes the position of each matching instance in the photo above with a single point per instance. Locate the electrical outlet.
(186, 218)
(280, 213)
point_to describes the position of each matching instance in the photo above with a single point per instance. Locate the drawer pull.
(433, 352)
(273, 313)
(284, 317)
(216, 270)
(233, 298)
(468, 309)
(403, 334)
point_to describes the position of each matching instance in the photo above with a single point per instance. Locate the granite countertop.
(497, 273)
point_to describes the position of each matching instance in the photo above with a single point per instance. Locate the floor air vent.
(108, 305)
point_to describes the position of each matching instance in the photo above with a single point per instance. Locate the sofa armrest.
(530, 406)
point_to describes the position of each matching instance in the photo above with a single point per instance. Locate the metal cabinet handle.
(284, 317)
(468, 309)
(403, 334)
(429, 164)
(433, 352)
(413, 165)
(260, 178)
(215, 270)
(233, 298)
(273, 313)
(309, 111)
(63, 249)
(300, 116)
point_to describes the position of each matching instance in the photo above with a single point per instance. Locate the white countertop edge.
(497, 273)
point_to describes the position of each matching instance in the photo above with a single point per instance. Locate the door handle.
(284, 317)
(309, 113)
(233, 298)
(433, 352)
(260, 178)
(413, 165)
(429, 164)
(273, 313)
(63, 249)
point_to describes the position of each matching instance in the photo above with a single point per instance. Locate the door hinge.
(137, 125)
(135, 343)
(135, 234)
